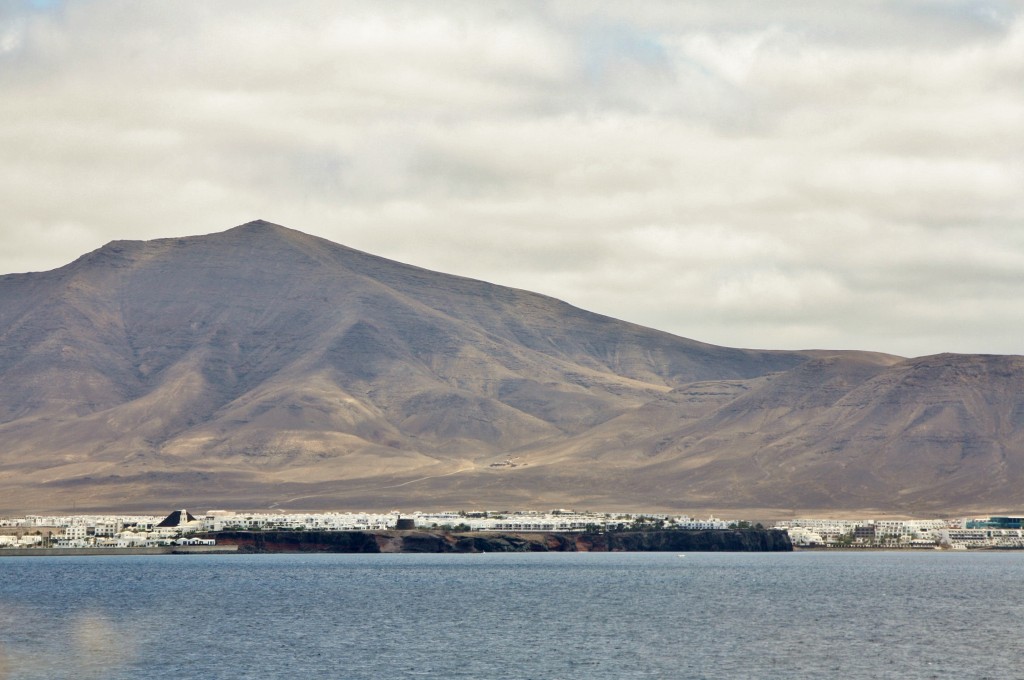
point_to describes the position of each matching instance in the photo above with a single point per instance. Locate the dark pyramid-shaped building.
(176, 519)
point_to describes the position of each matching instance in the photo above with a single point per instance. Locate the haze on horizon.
(840, 175)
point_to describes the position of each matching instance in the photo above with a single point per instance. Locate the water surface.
(551, 615)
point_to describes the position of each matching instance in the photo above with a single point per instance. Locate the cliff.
(744, 540)
(732, 540)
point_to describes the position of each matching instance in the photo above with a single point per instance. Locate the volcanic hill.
(263, 367)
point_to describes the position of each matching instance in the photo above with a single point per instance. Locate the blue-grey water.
(560, 615)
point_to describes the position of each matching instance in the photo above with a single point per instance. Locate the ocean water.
(559, 615)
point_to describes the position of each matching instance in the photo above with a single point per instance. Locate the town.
(181, 528)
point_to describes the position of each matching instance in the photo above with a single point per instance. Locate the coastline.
(96, 552)
(447, 542)
(424, 541)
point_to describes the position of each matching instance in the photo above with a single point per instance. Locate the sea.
(900, 614)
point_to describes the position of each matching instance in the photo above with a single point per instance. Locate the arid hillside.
(263, 367)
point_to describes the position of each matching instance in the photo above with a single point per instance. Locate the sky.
(781, 175)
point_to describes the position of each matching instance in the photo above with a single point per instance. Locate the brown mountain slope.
(260, 364)
(262, 367)
(932, 435)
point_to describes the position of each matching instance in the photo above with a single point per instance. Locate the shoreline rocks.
(723, 540)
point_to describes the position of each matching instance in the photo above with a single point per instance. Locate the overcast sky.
(827, 174)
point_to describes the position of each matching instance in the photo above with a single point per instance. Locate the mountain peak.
(261, 226)
(267, 233)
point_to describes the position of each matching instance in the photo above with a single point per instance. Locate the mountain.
(263, 367)
(935, 435)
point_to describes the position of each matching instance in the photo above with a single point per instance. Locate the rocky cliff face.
(745, 540)
(741, 540)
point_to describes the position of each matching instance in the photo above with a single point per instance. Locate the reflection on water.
(98, 645)
(84, 644)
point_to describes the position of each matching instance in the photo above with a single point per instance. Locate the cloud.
(749, 174)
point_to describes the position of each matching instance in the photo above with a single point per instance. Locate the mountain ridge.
(263, 366)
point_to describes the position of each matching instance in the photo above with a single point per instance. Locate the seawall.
(724, 540)
(91, 552)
